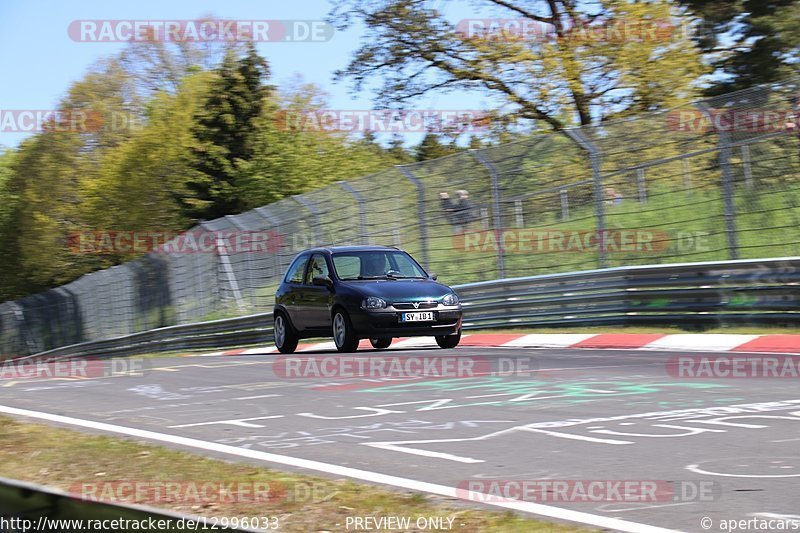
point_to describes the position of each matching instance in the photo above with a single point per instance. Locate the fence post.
(362, 212)
(748, 171)
(423, 227)
(564, 195)
(314, 213)
(264, 213)
(641, 186)
(599, 207)
(687, 175)
(727, 186)
(518, 213)
(498, 220)
(225, 262)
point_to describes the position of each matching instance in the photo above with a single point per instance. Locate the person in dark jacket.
(448, 207)
(464, 212)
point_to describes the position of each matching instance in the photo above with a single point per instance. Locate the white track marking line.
(320, 346)
(689, 342)
(257, 397)
(416, 342)
(364, 475)
(549, 340)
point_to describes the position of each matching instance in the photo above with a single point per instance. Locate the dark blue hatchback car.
(363, 292)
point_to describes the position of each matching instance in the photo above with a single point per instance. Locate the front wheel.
(380, 344)
(448, 341)
(344, 335)
(285, 337)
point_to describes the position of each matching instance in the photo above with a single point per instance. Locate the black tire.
(448, 341)
(285, 336)
(344, 335)
(380, 344)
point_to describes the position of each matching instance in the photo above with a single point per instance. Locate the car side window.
(296, 270)
(317, 268)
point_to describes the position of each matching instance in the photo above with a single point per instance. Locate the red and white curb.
(692, 342)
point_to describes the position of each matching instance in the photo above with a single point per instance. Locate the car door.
(290, 290)
(316, 300)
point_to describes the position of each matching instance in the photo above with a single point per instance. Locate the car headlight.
(450, 299)
(373, 302)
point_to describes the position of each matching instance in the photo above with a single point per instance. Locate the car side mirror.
(322, 281)
(433, 276)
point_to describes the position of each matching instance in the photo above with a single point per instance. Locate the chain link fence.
(714, 180)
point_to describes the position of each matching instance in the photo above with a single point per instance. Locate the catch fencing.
(694, 296)
(717, 179)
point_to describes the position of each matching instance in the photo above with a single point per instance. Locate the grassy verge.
(63, 458)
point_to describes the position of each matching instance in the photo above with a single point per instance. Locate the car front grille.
(410, 305)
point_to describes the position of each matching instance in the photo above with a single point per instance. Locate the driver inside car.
(373, 265)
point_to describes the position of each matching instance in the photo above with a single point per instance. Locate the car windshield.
(376, 264)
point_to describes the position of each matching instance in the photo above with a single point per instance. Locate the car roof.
(354, 248)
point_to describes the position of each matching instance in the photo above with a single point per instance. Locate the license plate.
(422, 316)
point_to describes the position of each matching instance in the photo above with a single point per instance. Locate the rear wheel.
(344, 335)
(380, 344)
(285, 336)
(448, 341)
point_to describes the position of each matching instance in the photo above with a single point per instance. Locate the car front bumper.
(386, 323)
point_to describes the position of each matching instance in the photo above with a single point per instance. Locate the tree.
(397, 151)
(432, 147)
(226, 127)
(142, 184)
(415, 50)
(290, 160)
(751, 41)
(8, 257)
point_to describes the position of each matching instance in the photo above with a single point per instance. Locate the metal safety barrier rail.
(690, 295)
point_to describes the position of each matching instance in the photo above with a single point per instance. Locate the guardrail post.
(362, 211)
(498, 220)
(314, 213)
(727, 186)
(423, 228)
(599, 205)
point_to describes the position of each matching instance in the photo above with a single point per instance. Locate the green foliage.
(762, 42)
(226, 130)
(414, 50)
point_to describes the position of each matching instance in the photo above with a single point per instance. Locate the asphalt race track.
(582, 415)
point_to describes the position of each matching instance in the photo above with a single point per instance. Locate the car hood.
(401, 290)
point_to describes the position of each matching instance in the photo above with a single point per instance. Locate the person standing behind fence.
(448, 207)
(464, 212)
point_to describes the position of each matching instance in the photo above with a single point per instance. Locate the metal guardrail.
(45, 507)
(691, 295)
